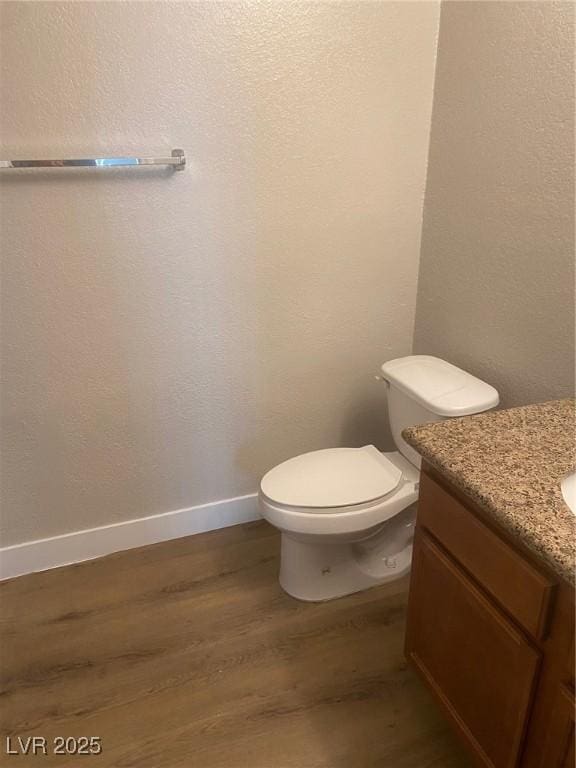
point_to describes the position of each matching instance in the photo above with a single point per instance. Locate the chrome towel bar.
(177, 161)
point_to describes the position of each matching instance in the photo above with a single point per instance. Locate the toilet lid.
(334, 477)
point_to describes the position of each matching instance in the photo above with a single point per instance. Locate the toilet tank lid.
(440, 387)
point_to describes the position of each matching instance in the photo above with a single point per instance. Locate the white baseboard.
(43, 554)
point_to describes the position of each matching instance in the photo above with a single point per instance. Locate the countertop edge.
(535, 531)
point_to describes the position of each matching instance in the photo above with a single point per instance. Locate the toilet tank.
(423, 389)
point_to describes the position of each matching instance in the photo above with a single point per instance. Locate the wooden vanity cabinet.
(472, 657)
(559, 751)
(490, 630)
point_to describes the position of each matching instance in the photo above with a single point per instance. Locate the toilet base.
(316, 568)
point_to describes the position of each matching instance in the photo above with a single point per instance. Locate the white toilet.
(347, 514)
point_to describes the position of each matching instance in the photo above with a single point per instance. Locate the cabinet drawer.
(521, 589)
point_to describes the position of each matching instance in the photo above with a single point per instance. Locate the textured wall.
(496, 286)
(169, 338)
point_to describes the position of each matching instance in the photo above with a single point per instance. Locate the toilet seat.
(352, 517)
(332, 478)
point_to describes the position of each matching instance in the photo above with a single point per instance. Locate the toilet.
(347, 515)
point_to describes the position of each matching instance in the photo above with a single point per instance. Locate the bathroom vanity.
(491, 607)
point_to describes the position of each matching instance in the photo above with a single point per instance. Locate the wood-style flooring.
(188, 654)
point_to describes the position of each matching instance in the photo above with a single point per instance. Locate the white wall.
(166, 339)
(496, 289)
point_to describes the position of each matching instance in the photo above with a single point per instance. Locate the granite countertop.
(511, 463)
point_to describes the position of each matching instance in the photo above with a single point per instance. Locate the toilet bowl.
(347, 515)
(331, 550)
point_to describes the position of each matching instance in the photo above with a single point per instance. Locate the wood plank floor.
(189, 654)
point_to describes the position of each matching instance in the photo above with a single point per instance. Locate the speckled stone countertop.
(511, 463)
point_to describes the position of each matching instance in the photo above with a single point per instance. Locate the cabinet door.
(560, 741)
(481, 669)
